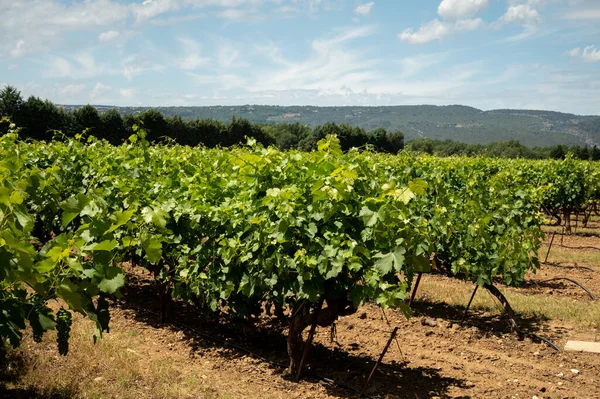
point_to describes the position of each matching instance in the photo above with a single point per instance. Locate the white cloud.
(78, 66)
(70, 90)
(18, 50)
(461, 9)
(192, 58)
(234, 13)
(99, 91)
(583, 10)
(522, 14)
(591, 54)
(413, 65)
(364, 9)
(227, 55)
(573, 52)
(42, 24)
(222, 81)
(127, 94)
(58, 67)
(174, 20)
(437, 30)
(151, 8)
(457, 17)
(135, 64)
(331, 65)
(108, 35)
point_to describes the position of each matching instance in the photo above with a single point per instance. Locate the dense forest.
(42, 120)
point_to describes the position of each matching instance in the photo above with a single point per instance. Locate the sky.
(489, 54)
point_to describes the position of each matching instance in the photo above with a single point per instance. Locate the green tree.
(10, 101)
(395, 142)
(87, 117)
(558, 152)
(595, 153)
(155, 124)
(113, 127)
(39, 119)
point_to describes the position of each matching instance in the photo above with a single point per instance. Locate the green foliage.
(238, 228)
(10, 101)
(34, 270)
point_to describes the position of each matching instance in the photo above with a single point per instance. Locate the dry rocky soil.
(434, 356)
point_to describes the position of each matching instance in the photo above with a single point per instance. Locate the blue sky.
(531, 54)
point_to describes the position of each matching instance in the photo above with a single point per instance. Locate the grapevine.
(251, 228)
(63, 329)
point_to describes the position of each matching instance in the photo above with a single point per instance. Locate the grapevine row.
(311, 236)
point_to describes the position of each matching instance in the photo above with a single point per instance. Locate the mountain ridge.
(455, 122)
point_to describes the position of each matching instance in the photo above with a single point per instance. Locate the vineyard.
(305, 237)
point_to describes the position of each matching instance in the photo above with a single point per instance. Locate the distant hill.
(456, 122)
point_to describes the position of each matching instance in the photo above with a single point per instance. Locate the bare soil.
(434, 356)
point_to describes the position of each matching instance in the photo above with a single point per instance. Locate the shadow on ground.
(265, 338)
(12, 365)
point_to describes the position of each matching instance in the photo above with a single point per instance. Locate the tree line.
(502, 149)
(42, 120)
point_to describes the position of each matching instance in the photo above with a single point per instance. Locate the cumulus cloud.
(99, 91)
(42, 24)
(108, 35)
(437, 30)
(364, 9)
(457, 17)
(461, 9)
(573, 52)
(522, 14)
(589, 53)
(192, 58)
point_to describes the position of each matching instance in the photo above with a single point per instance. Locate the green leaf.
(70, 293)
(72, 207)
(153, 248)
(120, 219)
(390, 261)
(113, 280)
(16, 198)
(106, 245)
(25, 220)
(156, 216)
(418, 186)
(45, 265)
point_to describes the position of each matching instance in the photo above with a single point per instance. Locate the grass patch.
(457, 293)
(579, 231)
(122, 364)
(589, 257)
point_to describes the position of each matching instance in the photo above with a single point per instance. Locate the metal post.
(549, 247)
(379, 360)
(469, 304)
(412, 297)
(309, 340)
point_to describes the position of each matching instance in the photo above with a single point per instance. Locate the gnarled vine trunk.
(304, 315)
(568, 221)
